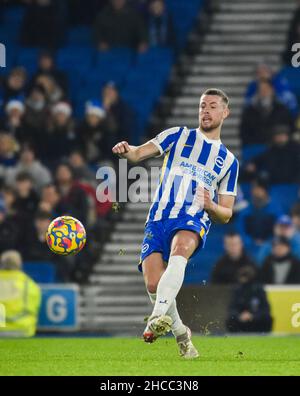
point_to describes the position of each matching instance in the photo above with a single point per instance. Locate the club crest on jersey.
(219, 161)
(145, 248)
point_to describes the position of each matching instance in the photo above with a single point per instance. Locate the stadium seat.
(201, 264)
(13, 15)
(114, 56)
(28, 58)
(190, 10)
(80, 35)
(246, 189)
(40, 272)
(79, 57)
(249, 151)
(285, 194)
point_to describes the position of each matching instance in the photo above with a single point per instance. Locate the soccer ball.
(66, 236)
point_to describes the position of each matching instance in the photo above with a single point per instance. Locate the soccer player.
(197, 168)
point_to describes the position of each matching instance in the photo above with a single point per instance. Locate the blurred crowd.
(262, 245)
(116, 23)
(270, 160)
(48, 161)
(48, 157)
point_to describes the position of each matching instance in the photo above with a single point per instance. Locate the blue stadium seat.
(9, 35)
(13, 15)
(190, 10)
(40, 272)
(246, 189)
(28, 58)
(78, 57)
(80, 35)
(115, 56)
(200, 266)
(249, 151)
(161, 54)
(285, 194)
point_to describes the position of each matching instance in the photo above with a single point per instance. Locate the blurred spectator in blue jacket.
(280, 163)
(43, 24)
(119, 25)
(226, 269)
(160, 25)
(284, 227)
(261, 115)
(47, 67)
(249, 309)
(280, 267)
(256, 222)
(281, 87)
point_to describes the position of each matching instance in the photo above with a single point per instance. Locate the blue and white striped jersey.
(191, 159)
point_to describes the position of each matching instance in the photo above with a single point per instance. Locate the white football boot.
(157, 326)
(185, 345)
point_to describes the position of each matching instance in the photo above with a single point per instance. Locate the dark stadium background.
(137, 75)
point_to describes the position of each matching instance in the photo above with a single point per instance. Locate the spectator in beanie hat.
(62, 137)
(94, 133)
(13, 120)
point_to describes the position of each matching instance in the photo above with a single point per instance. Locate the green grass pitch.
(130, 356)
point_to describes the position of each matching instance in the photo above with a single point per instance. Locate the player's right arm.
(135, 154)
(157, 146)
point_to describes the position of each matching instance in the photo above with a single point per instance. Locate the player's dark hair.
(217, 92)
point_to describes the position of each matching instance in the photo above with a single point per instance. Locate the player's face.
(212, 112)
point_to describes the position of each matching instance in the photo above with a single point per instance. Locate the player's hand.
(121, 148)
(203, 198)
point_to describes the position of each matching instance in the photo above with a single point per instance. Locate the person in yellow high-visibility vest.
(20, 298)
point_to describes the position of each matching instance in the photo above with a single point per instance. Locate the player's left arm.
(220, 212)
